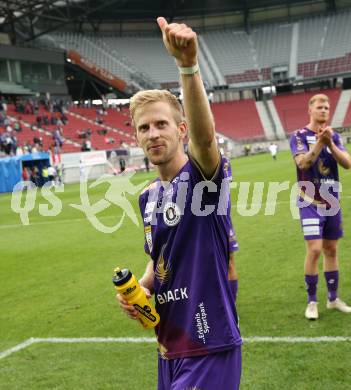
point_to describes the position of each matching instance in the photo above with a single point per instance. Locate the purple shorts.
(220, 370)
(315, 226)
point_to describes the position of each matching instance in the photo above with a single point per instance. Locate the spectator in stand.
(86, 147)
(64, 119)
(102, 132)
(27, 148)
(81, 134)
(17, 127)
(46, 120)
(14, 143)
(53, 120)
(99, 120)
(36, 108)
(19, 151)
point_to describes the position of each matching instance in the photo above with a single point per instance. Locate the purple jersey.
(187, 237)
(325, 169)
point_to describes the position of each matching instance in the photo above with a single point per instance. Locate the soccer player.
(187, 230)
(273, 148)
(318, 150)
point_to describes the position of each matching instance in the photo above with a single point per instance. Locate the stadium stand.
(110, 134)
(347, 120)
(45, 131)
(243, 125)
(273, 44)
(322, 47)
(292, 108)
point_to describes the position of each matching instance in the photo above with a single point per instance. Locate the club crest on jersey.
(171, 214)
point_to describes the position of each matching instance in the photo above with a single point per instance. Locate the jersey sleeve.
(223, 170)
(338, 141)
(147, 228)
(298, 144)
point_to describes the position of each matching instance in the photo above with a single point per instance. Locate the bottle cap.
(121, 276)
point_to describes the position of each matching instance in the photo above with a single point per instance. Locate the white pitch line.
(297, 340)
(253, 339)
(17, 348)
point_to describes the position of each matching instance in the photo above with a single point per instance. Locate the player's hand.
(325, 135)
(180, 41)
(128, 309)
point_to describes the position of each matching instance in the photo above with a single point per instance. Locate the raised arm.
(181, 42)
(341, 155)
(304, 161)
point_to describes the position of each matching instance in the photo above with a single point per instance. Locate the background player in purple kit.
(318, 150)
(186, 230)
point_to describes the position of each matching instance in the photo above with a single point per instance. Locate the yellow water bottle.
(127, 285)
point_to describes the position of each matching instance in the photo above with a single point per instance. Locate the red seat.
(238, 119)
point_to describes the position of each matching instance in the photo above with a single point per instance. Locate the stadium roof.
(136, 9)
(32, 18)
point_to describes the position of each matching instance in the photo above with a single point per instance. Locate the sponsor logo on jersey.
(178, 294)
(150, 207)
(311, 139)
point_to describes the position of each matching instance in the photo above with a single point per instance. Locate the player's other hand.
(128, 309)
(325, 135)
(180, 41)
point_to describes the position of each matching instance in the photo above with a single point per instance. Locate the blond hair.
(320, 97)
(142, 98)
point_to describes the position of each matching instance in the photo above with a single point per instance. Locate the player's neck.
(315, 126)
(169, 170)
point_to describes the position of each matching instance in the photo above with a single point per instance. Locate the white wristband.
(189, 69)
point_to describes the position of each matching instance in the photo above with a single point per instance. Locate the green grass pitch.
(56, 282)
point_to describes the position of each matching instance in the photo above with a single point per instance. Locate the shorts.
(315, 226)
(221, 370)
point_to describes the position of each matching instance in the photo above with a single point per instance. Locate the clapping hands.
(325, 135)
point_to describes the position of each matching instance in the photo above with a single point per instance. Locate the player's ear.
(182, 129)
